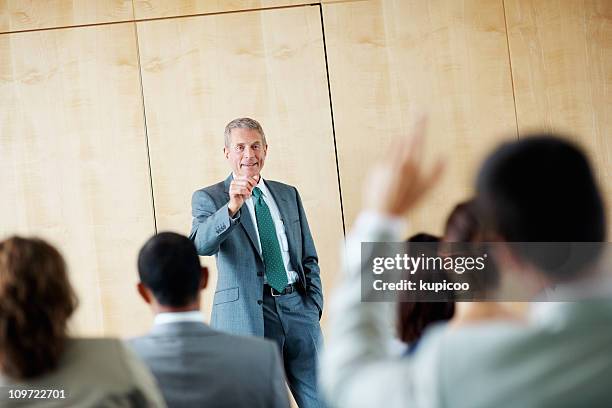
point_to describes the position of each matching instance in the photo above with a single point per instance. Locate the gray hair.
(243, 123)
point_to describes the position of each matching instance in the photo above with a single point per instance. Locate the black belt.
(288, 289)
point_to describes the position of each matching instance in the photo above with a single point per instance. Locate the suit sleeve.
(278, 392)
(310, 260)
(210, 226)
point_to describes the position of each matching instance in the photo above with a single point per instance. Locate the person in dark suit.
(268, 283)
(196, 366)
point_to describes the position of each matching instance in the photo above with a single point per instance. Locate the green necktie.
(270, 249)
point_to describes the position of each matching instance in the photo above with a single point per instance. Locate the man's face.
(246, 152)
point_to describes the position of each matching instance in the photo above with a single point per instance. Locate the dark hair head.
(462, 225)
(169, 266)
(414, 317)
(540, 189)
(423, 237)
(36, 300)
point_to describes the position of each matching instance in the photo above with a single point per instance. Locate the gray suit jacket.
(237, 303)
(196, 366)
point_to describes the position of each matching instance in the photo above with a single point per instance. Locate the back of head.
(423, 237)
(462, 238)
(169, 266)
(462, 225)
(414, 317)
(36, 300)
(541, 189)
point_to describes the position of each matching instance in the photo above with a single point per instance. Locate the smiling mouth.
(249, 165)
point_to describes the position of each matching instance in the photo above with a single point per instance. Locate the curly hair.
(36, 301)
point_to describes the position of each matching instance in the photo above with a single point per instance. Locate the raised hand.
(397, 184)
(240, 190)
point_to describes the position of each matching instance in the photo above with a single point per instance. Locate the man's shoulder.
(279, 185)
(282, 190)
(204, 335)
(213, 190)
(137, 339)
(230, 350)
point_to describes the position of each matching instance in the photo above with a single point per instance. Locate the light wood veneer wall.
(112, 112)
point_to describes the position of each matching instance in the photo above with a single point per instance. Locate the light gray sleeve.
(357, 366)
(210, 226)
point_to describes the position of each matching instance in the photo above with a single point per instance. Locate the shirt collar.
(173, 317)
(262, 186)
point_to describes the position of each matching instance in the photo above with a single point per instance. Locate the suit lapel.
(279, 198)
(249, 228)
(245, 220)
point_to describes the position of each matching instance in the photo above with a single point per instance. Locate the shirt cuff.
(235, 218)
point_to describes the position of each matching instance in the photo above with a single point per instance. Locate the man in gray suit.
(269, 283)
(196, 366)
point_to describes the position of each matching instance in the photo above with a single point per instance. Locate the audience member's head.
(462, 225)
(414, 317)
(36, 301)
(423, 237)
(541, 189)
(170, 271)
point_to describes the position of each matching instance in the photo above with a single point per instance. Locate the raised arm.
(357, 368)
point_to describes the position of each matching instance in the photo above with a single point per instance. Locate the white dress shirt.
(173, 317)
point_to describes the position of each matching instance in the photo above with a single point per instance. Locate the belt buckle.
(272, 292)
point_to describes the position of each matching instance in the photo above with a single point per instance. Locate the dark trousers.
(292, 321)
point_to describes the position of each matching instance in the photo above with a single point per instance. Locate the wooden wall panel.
(169, 8)
(388, 59)
(73, 162)
(562, 67)
(16, 15)
(201, 72)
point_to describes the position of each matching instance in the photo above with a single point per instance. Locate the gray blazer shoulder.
(198, 366)
(95, 373)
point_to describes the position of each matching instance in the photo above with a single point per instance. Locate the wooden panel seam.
(141, 20)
